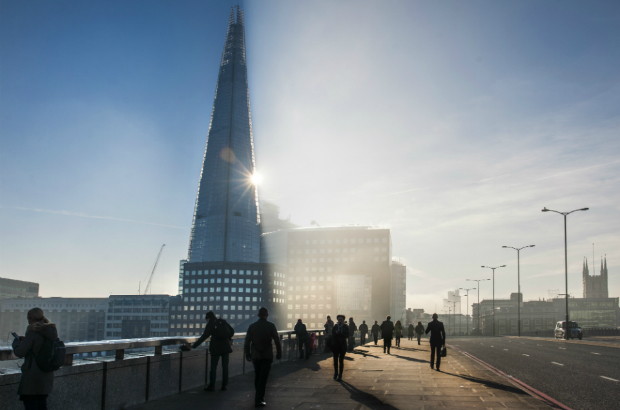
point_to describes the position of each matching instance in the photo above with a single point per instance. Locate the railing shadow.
(368, 400)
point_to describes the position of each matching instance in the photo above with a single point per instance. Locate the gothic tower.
(595, 286)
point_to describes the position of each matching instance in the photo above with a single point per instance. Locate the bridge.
(152, 374)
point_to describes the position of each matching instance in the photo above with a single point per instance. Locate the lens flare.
(256, 178)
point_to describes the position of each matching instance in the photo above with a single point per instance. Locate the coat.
(410, 331)
(258, 340)
(34, 381)
(328, 328)
(387, 329)
(398, 330)
(419, 329)
(216, 346)
(363, 328)
(352, 327)
(301, 331)
(340, 338)
(438, 334)
(375, 329)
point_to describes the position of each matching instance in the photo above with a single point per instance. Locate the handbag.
(444, 352)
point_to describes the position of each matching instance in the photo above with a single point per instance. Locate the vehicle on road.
(574, 331)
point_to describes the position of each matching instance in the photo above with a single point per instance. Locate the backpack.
(51, 355)
(222, 331)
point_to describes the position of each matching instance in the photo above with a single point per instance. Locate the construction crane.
(148, 286)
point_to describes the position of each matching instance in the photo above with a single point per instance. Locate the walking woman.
(410, 332)
(398, 332)
(35, 384)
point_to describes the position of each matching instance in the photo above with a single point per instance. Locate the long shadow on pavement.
(488, 383)
(368, 400)
(411, 359)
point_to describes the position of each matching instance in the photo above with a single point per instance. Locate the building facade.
(137, 316)
(595, 286)
(398, 303)
(13, 289)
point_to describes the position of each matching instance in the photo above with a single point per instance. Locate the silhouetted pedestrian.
(363, 331)
(35, 385)
(303, 339)
(221, 334)
(410, 332)
(329, 325)
(375, 332)
(352, 330)
(398, 332)
(438, 339)
(387, 331)
(340, 336)
(419, 331)
(259, 351)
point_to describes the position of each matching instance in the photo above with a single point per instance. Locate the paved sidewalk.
(372, 380)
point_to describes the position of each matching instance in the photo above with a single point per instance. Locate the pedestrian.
(363, 331)
(387, 331)
(259, 351)
(410, 332)
(35, 384)
(398, 332)
(329, 325)
(438, 339)
(419, 331)
(352, 330)
(303, 339)
(220, 346)
(375, 331)
(339, 346)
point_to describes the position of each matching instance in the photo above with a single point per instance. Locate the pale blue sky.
(452, 123)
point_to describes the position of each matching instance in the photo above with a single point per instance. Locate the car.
(575, 330)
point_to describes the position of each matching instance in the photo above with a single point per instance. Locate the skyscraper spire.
(226, 221)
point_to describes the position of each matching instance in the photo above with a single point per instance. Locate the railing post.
(68, 360)
(120, 354)
(159, 350)
(281, 342)
(207, 367)
(289, 347)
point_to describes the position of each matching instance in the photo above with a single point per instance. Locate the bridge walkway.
(372, 380)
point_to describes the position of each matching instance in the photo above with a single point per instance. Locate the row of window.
(329, 260)
(305, 307)
(153, 334)
(138, 317)
(226, 280)
(219, 289)
(216, 308)
(336, 250)
(337, 241)
(226, 272)
(137, 310)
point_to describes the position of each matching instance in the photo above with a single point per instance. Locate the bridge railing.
(133, 371)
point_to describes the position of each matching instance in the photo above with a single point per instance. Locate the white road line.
(526, 355)
(595, 353)
(609, 378)
(559, 364)
(505, 349)
(563, 348)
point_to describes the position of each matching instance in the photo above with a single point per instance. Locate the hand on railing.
(248, 357)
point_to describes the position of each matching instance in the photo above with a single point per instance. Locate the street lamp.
(503, 266)
(519, 283)
(454, 317)
(565, 254)
(478, 280)
(467, 308)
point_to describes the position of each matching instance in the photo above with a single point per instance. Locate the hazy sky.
(451, 123)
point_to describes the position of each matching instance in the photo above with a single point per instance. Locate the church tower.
(595, 286)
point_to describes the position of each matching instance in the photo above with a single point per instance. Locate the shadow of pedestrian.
(488, 383)
(411, 359)
(368, 400)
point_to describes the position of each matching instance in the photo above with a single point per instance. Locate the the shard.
(226, 227)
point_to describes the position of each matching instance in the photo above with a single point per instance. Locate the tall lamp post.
(467, 308)
(565, 254)
(479, 309)
(454, 317)
(519, 283)
(493, 268)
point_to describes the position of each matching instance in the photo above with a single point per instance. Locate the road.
(576, 374)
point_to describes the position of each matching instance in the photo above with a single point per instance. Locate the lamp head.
(545, 209)
(584, 209)
(531, 246)
(504, 246)
(503, 266)
(483, 266)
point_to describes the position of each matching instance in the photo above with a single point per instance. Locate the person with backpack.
(419, 331)
(40, 347)
(221, 334)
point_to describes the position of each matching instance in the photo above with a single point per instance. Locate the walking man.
(221, 334)
(398, 332)
(329, 325)
(363, 332)
(438, 339)
(259, 351)
(387, 331)
(410, 331)
(340, 335)
(352, 330)
(375, 332)
(419, 331)
(303, 339)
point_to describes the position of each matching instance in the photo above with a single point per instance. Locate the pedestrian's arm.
(428, 329)
(443, 333)
(205, 335)
(24, 346)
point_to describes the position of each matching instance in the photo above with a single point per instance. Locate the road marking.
(595, 353)
(609, 378)
(505, 349)
(492, 346)
(559, 364)
(563, 348)
(526, 355)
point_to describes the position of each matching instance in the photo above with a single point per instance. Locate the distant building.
(333, 270)
(418, 315)
(398, 302)
(181, 274)
(486, 305)
(270, 218)
(595, 286)
(137, 316)
(12, 289)
(77, 319)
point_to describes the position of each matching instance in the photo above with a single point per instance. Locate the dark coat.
(328, 327)
(258, 340)
(301, 331)
(419, 329)
(375, 329)
(410, 331)
(363, 328)
(438, 334)
(216, 346)
(34, 381)
(387, 329)
(398, 330)
(340, 337)
(352, 327)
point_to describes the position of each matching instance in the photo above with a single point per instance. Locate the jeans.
(34, 402)
(304, 341)
(351, 343)
(419, 335)
(215, 358)
(375, 336)
(363, 339)
(339, 353)
(387, 344)
(397, 341)
(262, 367)
(436, 348)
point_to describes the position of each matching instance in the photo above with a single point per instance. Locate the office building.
(13, 289)
(137, 316)
(398, 306)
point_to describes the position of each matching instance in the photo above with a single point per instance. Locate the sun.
(256, 178)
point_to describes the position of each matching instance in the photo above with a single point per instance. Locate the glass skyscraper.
(226, 219)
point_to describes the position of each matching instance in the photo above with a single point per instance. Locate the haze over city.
(452, 124)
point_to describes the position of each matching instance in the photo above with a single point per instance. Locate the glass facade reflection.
(226, 220)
